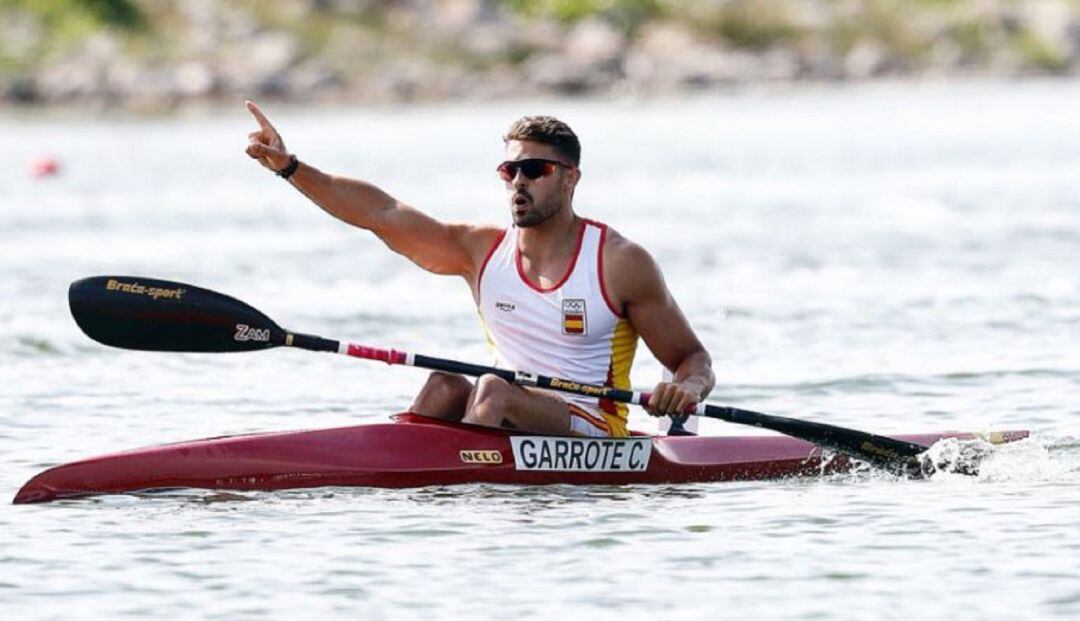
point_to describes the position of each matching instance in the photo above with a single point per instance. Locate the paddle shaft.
(889, 453)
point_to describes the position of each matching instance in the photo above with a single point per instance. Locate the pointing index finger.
(259, 116)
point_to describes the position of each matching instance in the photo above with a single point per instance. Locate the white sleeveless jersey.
(570, 330)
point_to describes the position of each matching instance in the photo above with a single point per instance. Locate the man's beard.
(539, 214)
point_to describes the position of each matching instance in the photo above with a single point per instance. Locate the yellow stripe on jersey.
(623, 345)
(487, 333)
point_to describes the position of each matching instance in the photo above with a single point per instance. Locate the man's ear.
(575, 175)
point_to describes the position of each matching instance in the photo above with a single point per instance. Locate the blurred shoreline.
(153, 57)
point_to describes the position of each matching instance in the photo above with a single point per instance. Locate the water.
(895, 258)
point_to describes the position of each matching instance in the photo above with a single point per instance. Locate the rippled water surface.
(896, 258)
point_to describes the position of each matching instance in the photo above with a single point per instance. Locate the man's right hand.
(266, 144)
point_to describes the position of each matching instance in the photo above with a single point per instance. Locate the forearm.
(356, 202)
(696, 374)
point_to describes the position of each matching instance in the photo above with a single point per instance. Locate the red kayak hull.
(416, 451)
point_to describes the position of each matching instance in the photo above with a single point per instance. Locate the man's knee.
(447, 383)
(444, 395)
(492, 388)
(489, 403)
(498, 403)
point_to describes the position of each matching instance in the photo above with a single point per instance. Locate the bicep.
(664, 328)
(656, 316)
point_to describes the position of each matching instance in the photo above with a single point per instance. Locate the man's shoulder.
(479, 241)
(624, 253)
(480, 237)
(472, 228)
(630, 271)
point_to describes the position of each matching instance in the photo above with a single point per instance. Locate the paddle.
(159, 315)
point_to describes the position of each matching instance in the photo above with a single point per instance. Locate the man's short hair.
(550, 131)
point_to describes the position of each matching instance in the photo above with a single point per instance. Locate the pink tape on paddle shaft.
(389, 356)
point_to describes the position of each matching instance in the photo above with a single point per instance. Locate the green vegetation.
(973, 38)
(887, 23)
(66, 23)
(122, 14)
(748, 24)
(569, 11)
(76, 15)
(1039, 54)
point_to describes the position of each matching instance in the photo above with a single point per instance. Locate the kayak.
(417, 451)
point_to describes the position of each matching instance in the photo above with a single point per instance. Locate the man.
(559, 295)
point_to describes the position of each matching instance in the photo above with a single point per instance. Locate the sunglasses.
(532, 168)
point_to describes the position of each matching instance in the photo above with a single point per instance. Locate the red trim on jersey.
(600, 269)
(483, 266)
(589, 418)
(569, 270)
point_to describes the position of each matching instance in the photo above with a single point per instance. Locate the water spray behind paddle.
(957, 456)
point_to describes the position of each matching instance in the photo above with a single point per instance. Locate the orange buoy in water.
(44, 166)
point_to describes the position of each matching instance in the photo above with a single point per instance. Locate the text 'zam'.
(245, 333)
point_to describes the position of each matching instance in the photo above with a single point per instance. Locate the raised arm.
(637, 284)
(433, 245)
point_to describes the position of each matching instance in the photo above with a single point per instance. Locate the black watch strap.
(288, 171)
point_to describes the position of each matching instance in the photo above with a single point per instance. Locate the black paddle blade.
(897, 456)
(158, 315)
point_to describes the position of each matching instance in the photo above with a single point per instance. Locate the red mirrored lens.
(531, 168)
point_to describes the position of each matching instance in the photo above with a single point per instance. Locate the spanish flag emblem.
(573, 317)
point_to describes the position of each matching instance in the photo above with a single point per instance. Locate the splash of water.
(1034, 459)
(957, 456)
